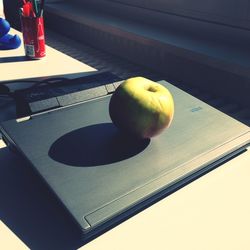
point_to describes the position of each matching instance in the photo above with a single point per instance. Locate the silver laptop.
(101, 177)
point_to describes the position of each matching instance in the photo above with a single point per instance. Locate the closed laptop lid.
(101, 176)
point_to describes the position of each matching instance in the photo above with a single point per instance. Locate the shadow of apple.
(95, 145)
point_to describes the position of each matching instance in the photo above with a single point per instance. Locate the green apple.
(141, 107)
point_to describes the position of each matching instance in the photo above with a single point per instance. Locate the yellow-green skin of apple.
(141, 107)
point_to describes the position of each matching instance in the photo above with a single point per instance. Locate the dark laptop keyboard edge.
(46, 98)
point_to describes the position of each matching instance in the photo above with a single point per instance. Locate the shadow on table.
(11, 59)
(30, 211)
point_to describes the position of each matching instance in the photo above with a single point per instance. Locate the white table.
(212, 212)
(14, 65)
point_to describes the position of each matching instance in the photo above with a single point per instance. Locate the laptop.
(102, 177)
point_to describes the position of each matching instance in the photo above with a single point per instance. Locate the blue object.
(7, 41)
(4, 27)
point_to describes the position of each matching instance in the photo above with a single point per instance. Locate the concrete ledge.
(219, 67)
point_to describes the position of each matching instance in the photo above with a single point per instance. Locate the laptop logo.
(196, 109)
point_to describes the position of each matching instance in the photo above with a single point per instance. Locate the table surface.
(15, 65)
(210, 213)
